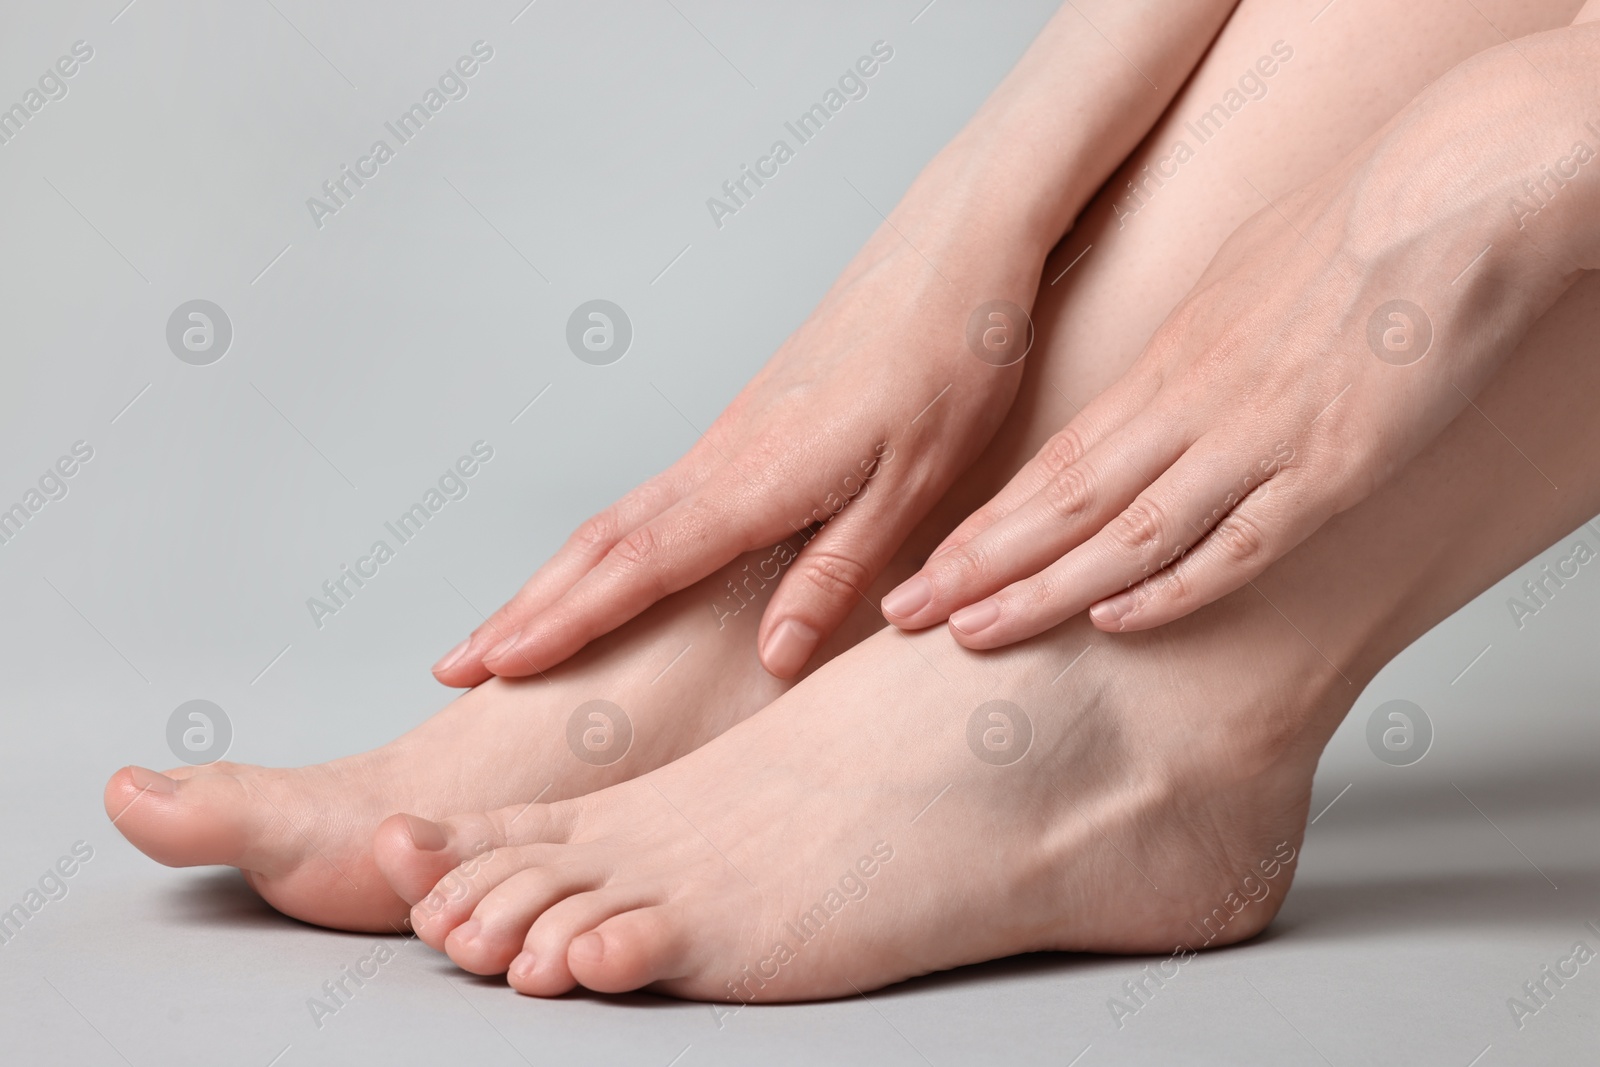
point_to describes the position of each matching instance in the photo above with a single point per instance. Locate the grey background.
(370, 354)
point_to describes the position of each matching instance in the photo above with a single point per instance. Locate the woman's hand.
(868, 413)
(861, 420)
(1331, 338)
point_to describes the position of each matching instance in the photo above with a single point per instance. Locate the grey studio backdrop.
(374, 345)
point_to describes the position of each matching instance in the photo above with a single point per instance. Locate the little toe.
(631, 950)
(541, 969)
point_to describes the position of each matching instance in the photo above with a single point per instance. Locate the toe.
(541, 969)
(415, 854)
(487, 942)
(457, 895)
(631, 950)
(207, 817)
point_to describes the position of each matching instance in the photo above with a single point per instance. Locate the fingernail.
(522, 966)
(450, 657)
(154, 782)
(909, 598)
(504, 647)
(467, 932)
(590, 948)
(977, 618)
(425, 835)
(790, 645)
(1110, 612)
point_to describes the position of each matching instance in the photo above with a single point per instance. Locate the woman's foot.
(680, 674)
(891, 816)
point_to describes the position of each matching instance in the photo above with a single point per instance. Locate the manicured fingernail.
(790, 645)
(590, 948)
(450, 657)
(504, 647)
(467, 932)
(976, 618)
(522, 966)
(909, 598)
(1110, 612)
(425, 835)
(155, 783)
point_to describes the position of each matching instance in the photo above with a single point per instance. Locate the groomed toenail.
(522, 966)
(425, 835)
(154, 782)
(977, 618)
(467, 932)
(589, 948)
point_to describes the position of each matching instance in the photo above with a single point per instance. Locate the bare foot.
(871, 825)
(305, 837)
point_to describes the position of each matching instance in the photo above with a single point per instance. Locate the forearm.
(1085, 93)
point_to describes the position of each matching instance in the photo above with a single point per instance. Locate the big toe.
(207, 817)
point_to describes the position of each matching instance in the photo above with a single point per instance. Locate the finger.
(669, 553)
(1150, 534)
(1092, 424)
(1261, 530)
(1075, 503)
(829, 579)
(588, 544)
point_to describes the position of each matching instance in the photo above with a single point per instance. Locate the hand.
(861, 421)
(1331, 338)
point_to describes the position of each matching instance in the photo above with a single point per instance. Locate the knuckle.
(1139, 527)
(1240, 540)
(835, 577)
(1069, 492)
(636, 556)
(965, 566)
(1169, 586)
(597, 534)
(1062, 451)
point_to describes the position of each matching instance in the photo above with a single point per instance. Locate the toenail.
(450, 657)
(909, 598)
(425, 835)
(977, 618)
(790, 645)
(589, 948)
(522, 966)
(467, 932)
(504, 647)
(150, 780)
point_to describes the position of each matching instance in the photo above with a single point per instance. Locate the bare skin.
(1165, 766)
(870, 739)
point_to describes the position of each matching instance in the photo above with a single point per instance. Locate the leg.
(861, 831)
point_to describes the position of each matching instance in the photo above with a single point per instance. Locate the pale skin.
(1165, 765)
